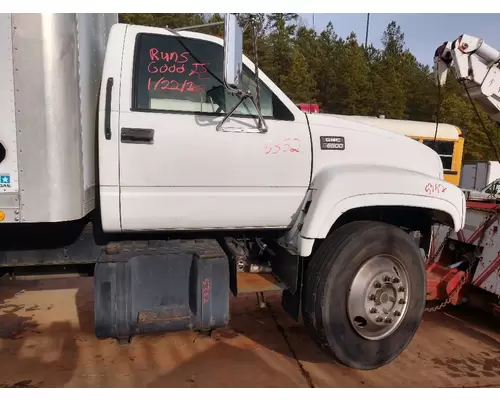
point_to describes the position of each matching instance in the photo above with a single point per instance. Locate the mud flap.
(160, 293)
(289, 270)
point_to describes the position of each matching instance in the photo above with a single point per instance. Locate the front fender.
(337, 190)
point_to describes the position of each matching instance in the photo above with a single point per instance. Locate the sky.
(423, 32)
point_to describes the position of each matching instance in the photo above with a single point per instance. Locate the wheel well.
(407, 218)
(410, 219)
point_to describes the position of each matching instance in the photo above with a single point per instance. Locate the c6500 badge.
(332, 142)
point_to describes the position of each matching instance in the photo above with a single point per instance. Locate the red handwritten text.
(434, 188)
(157, 55)
(289, 145)
(200, 70)
(175, 63)
(153, 68)
(173, 85)
(205, 289)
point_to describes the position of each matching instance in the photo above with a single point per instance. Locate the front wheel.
(364, 293)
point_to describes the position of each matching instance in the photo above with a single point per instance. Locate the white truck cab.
(188, 144)
(164, 165)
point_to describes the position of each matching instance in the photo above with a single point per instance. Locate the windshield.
(492, 188)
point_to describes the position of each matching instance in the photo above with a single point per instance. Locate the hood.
(408, 127)
(366, 144)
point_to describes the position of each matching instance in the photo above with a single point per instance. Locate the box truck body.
(49, 123)
(476, 175)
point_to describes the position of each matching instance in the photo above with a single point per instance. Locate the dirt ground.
(47, 340)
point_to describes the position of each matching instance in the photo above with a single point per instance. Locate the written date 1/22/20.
(173, 85)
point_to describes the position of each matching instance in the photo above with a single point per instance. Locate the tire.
(329, 304)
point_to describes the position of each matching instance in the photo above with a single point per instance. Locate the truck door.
(176, 170)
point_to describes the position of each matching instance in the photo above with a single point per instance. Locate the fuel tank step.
(155, 293)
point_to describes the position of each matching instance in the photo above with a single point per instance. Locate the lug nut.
(395, 280)
(397, 313)
(402, 301)
(373, 310)
(377, 285)
(372, 297)
(379, 319)
(387, 278)
(388, 320)
(401, 289)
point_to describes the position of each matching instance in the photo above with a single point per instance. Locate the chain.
(463, 280)
(457, 288)
(440, 248)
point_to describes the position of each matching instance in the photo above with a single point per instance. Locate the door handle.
(137, 135)
(107, 110)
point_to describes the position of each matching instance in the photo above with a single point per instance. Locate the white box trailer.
(119, 140)
(50, 74)
(476, 175)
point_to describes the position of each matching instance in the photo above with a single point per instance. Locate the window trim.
(134, 97)
(446, 171)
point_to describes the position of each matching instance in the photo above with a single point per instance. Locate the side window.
(444, 150)
(186, 75)
(247, 107)
(493, 188)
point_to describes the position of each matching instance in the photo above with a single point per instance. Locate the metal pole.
(313, 21)
(367, 28)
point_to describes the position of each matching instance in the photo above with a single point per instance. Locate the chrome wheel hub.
(378, 298)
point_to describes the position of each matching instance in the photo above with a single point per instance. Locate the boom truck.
(464, 266)
(172, 163)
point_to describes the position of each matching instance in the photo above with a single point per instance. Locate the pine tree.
(389, 79)
(279, 43)
(297, 80)
(354, 89)
(329, 49)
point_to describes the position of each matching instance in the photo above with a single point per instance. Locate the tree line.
(345, 77)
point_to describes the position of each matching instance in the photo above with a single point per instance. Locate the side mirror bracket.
(262, 126)
(233, 69)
